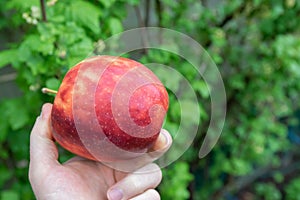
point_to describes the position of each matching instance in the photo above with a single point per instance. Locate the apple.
(109, 108)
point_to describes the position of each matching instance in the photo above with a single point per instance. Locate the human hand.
(79, 178)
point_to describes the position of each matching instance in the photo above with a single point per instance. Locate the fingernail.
(42, 113)
(115, 194)
(166, 138)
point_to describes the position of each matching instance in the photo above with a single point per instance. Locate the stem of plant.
(43, 8)
(48, 91)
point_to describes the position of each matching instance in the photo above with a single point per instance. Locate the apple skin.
(109, 108)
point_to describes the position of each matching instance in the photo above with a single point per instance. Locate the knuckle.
(153, 167)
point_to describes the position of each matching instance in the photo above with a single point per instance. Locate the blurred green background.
(255, 44)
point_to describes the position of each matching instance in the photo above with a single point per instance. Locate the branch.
(229, 17)
(147, 11)
(159, 10)
(288, 166)
(43, 9)
(239, 9)
(139, 16)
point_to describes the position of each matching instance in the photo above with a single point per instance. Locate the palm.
(80, 176)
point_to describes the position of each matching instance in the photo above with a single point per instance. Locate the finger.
(149, 194)
(43, 151)
(147, 177)
(161, 146)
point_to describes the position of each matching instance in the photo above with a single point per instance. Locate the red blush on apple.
(109, 108)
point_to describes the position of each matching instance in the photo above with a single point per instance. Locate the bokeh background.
(255, 44)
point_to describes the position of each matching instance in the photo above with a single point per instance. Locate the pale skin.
(79, 178)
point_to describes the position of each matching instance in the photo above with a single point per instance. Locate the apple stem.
(48, 91)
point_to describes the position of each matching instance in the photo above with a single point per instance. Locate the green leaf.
(35, 43)
(86, 14)
(132, 2)
(71, 34)
(237, 166)
(278, 177)
(10, 195)
(19, 144)
(3, 126)
(36, 64)
(7, 57)
(107, 3)
(82, 48)
(268, 191)
(164, 75)
(21, 4)
(176, 186)
(17, 114)
(202, 88)
(73, 60)
(3, 155)
(115, 25)
(188, 107)
(53, 83)
(47, 47)
(5, 174)
(292, 189)
(32, 41)
(24, 52)
(257, 2)
(171, 127)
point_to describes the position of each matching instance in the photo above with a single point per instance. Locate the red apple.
(109, 108)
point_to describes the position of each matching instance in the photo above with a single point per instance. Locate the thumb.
(161, 146)
(43, 151)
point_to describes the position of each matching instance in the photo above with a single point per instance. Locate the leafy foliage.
(176, 188)
(255, 44)
(292, 189)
